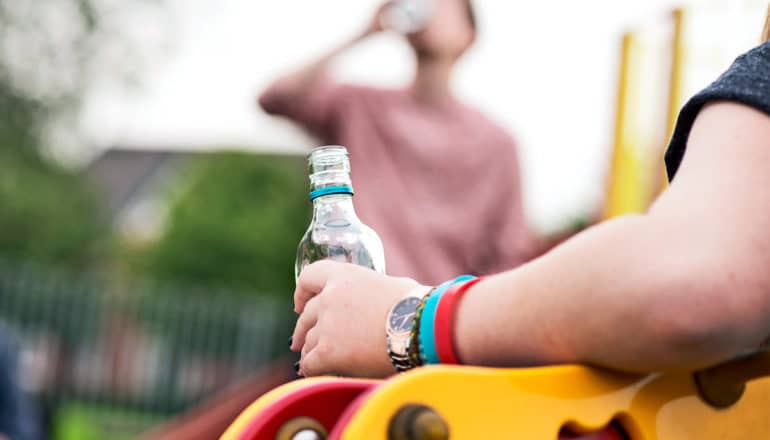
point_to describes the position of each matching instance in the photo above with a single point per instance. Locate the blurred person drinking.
(418, 153)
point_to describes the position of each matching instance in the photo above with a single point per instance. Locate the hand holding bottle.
(343, 310)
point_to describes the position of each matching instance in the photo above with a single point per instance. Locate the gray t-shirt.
(747, 81)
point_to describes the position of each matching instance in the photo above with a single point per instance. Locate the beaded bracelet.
(414, 333)
(445, 319)
(426, 332)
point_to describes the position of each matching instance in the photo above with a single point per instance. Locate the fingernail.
(296, 367)
(291, 341)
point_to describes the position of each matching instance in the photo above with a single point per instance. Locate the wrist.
(427, 325)
(466, 328)
(444, 325)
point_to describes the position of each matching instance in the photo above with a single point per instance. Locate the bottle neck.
(334, 206)
(330, 187)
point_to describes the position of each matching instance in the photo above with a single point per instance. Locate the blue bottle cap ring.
(342, 189)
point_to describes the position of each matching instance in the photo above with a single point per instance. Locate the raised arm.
(297, 85)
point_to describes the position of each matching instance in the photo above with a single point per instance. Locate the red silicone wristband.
(445, 313)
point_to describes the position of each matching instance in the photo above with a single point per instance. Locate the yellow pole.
(675, 85)
(623, 178)
(766, 32)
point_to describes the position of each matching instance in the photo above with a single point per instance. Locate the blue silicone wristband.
(427, 333)
(329, 190)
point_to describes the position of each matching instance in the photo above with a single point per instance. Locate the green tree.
(237, 223)
(46, 214)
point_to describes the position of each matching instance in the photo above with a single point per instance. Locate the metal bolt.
(301, 428)
(417, 422)
(307, 434)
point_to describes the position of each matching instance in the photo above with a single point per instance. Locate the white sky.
(544, 69)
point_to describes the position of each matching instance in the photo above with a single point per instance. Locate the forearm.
(300, 82)
(609, 296)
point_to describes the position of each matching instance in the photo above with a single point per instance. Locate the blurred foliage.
(236, 222)
(48, 215)
(51, 52)
(90, 422)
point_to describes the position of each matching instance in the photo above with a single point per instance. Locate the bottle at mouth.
(406, 16)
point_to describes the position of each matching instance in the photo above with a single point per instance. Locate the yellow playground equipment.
(730, 401)
(563, 402)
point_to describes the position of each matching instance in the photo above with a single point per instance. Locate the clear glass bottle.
(336, 233)
(406, 16)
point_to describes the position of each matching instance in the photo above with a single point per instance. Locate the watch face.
(403, 314)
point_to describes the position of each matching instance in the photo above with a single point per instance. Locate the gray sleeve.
(747, 82)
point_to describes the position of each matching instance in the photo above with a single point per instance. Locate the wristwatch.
(399, 328)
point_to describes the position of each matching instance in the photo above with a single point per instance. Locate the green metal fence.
(91, 345)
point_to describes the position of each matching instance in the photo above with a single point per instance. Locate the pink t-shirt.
(440, 185)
